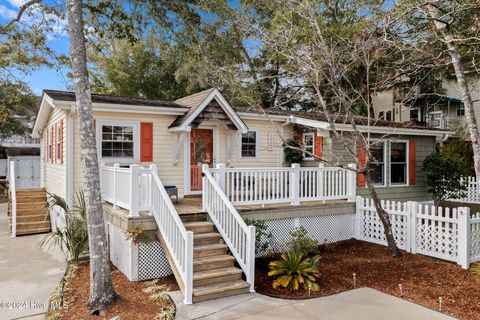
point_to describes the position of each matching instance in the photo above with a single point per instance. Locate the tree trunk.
(101, 289)
(454, 52)
(383, 215)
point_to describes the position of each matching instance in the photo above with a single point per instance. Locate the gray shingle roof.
(103, 98)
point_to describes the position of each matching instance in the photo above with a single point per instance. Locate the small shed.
(27, 166)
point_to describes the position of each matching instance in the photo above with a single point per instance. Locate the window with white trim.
(308, 145)
(57, 142)
(398, 162)
(377, 150)
(248, 147)
(461, 110)
(117, 141)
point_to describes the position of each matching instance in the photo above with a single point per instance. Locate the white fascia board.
(395, 130)
(223, 104)
(180, 129)
(46, 106)
(310, 123)
(260, 116)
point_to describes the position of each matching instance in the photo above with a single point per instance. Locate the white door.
(27, 170)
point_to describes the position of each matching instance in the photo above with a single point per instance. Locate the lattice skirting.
(324, 228)
(138, 262)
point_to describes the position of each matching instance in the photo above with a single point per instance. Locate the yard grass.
(134, 302)
(424, 279)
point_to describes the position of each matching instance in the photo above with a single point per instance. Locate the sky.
(42, 78)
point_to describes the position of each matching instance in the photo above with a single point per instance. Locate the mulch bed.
(134, 303)
(424, 279)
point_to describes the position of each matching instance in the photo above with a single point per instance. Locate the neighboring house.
(444, 111)
(229, 162)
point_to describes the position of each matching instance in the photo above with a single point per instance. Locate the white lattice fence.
(152, 262)
(324, 228)
(449, 234)
(436, 232)
(370, 228)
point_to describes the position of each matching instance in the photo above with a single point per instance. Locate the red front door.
(201, 152)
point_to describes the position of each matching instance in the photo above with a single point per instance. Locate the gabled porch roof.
(198, 103)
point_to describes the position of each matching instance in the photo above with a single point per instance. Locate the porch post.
(204, 187)
(134, 190)
(321, 181)
(463, 237)
(352, 182)
(220, 176)
(295, 184)
(115, 168)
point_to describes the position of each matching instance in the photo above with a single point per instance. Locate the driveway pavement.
(28, 274)
(358, 304)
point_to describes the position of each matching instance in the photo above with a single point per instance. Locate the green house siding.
(335, 152)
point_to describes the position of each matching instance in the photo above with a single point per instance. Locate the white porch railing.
(285, 184)
(13, 194)
(137, 189)
(239, 237)
(471, 194)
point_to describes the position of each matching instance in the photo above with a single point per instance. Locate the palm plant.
(293, 270)
(72, 238)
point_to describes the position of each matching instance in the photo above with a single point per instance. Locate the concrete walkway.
(28, 274)
(358, 304)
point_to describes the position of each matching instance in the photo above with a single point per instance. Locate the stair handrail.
(178, 240)
(239, 237)
(13, 192)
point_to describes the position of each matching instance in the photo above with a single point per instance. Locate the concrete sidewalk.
(28, 273)
(358, 304)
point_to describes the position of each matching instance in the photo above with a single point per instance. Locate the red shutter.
(412, 162)
(362, 158)
(146, 141)
(61, 141)
(46, 146)
(55, 143)
(51, 144)
(318, 147)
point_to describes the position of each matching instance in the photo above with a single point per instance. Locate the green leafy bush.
(73, 238)
(302, 241)
(293, 270)
(443, 174)
(263, 237)
(292, 152)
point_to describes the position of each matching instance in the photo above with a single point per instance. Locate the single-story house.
(232, 160)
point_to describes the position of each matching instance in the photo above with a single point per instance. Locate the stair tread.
(220, 287)
(197, 223)
(19, 224)
(221, 257)
(213, 273)
(211, 246)
(206, 235)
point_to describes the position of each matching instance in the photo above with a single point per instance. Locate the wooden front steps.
(32, 211)
(214, 272)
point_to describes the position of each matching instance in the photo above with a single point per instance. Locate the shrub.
(73, 238)
(292, 152)
(302, 241)
(443, 174)
(263, 237)
(293, 270)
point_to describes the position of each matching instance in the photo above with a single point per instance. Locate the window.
(57, 143)
(398, 163)
(378, 165)
(415, 114)
(388, 116)
(117, 141)
(308, 146)
(248, 147)
(461, 110)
